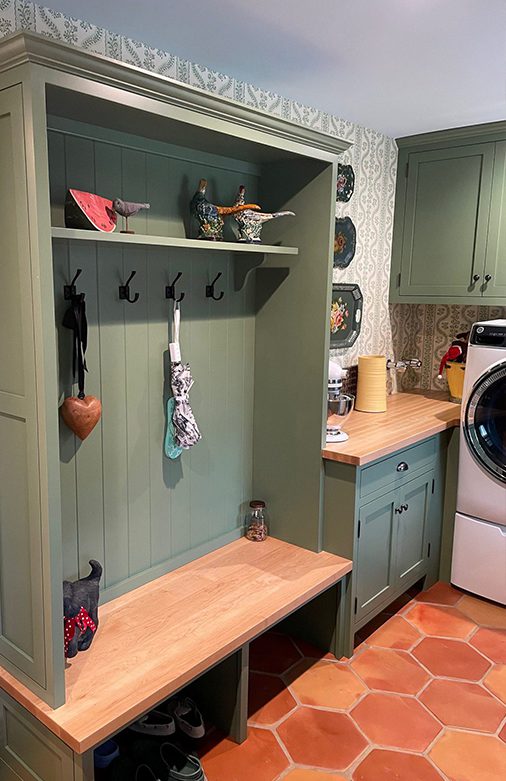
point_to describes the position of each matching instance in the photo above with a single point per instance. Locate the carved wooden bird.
(210, 216)
(128, 209)
(250, 223)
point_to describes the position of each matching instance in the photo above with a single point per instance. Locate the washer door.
(485, 421)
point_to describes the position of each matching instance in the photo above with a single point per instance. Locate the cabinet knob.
(476, 277)
(404, 506)
(399, 509)
(488, 277)
(402, 467)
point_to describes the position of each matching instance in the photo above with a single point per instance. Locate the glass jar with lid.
(256, 525)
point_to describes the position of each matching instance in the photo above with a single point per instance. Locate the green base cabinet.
(450, 210)
(387, 517)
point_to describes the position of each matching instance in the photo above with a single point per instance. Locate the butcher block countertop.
(410, 417)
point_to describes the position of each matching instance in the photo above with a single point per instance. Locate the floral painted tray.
(345, 182)
(345, 315)
(345, 242)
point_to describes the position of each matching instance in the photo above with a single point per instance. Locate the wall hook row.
(124, 290)
(210, 289)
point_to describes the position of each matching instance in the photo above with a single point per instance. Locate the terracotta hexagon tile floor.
(392, 671)
(408, 706)
(395, 633)
(321, 739)
(268, 699)
(325, 684)
(460, 704)
(440, 620)
(398, 722)
(273, 653)
(384, 765)
(492, 643)
(466, 756)
(451, 659)
(260, 758)
(483, 612)
(496, 681)
(440, 594)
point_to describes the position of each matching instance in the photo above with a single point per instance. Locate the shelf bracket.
(243, 266)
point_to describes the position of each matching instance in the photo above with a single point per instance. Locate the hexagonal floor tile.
(440, 594)
(496, 681)
(384, 765)
(396, 722)
(311, 775)
(466, 705)
(273, 653)
(392, 671)
(396, 633)
(483, 612)
(467, 756)
(269, 699)
(321, 738)
(325, 684)
(451, 658)
(440, 620)
(259, 758)
(492, 643)
(502, 733)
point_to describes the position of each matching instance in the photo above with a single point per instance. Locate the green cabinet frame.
(449, 237)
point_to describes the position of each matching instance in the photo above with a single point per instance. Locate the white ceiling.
(399, 66)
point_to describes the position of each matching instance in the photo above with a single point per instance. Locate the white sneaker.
(155, 722)
(189, 718)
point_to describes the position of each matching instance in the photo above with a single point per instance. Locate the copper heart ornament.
(81, 415)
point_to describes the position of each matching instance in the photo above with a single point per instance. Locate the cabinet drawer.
(397, 468)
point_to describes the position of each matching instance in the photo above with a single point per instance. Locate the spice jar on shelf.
(256, 525)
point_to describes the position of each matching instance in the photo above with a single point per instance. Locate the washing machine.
(479, 543)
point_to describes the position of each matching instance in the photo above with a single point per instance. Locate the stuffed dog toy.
(80, 610)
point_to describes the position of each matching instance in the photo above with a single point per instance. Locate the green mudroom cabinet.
(449, 241)
(69, 118)
(387, 516)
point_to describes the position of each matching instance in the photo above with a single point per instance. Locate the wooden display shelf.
(156, 639)
(410, 417)
(170, 241)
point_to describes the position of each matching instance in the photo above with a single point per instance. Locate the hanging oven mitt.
(80, 413)
(171, 447)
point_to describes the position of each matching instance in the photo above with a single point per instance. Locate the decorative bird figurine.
(210, 217)
(250, 223)
(128, 209)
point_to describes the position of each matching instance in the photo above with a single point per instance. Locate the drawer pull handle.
(402, 467)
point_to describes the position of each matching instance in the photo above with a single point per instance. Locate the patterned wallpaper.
(372, 155)
(426, 331)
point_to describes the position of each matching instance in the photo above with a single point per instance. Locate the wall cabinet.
(449, 236)
(387, 517)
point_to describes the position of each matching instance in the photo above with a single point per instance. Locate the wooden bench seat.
(159, 637)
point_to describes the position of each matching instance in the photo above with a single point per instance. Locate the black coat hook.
(124, 290)
(70, 290)
(210, 289)
(170, 290)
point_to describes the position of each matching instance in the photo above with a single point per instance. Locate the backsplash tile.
(425, 331)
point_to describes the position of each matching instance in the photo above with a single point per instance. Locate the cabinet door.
(412, 532)
(374, 571)
(31, 632)
(446, 220)
(495, 265)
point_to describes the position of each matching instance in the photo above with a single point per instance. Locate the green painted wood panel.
(123, 502)
(412, 536)
(446, 220)
(495, 264)
(28, 750)
(21, 593)
(374, 569)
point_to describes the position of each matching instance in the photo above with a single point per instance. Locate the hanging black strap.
(75, 319)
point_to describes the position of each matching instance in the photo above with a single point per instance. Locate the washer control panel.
(488, 335)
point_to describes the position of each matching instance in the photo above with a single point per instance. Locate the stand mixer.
(339, 404)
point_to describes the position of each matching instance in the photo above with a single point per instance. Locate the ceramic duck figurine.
(250, 223)
(210, 217)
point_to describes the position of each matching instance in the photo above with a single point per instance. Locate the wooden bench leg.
(222, 694)
(83, 767)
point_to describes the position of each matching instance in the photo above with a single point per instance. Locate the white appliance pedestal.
(479, 557)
